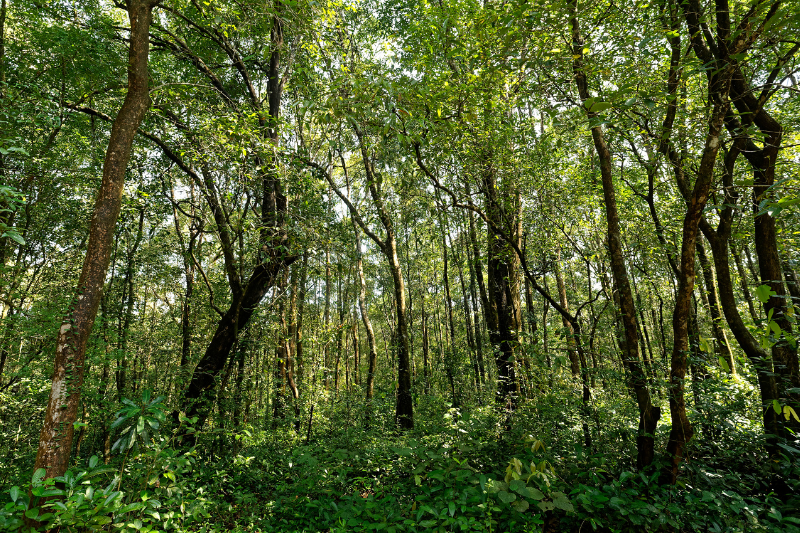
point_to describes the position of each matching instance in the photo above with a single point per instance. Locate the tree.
(62, 408)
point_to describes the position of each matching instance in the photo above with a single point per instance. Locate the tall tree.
(55, 443)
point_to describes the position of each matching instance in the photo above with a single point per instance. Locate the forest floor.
(459, 469)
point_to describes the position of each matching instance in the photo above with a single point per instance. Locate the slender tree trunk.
(426, 365)
(301, 305)
(189, 270)
(709, 277)
(743, 284)
(327, 318)
(473, 269)
(130, 298)
(575, 365)
(372, 359)
(273, 255)
(648, 413)
(450, 351)
(470, 327)
(340, 330)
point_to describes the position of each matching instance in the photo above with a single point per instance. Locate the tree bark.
(709, 277)
(648, 413)
(55, 442)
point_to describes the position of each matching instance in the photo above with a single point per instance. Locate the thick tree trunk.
(763, 160)
(501, 315)
(55, 442)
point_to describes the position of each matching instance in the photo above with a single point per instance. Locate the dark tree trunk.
(273, 255)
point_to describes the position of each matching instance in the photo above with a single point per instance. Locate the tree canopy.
(292, 265)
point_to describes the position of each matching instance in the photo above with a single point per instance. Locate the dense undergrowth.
(460, 469)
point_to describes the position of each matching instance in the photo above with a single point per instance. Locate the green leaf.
(131, 507)
(452, 508)
(704, 347)
(38, 476)
(763, 292)
(777, 406)
(534, 494)
(562, 502)
(597, 107)
(506, 497)
(518, 486)
(724, 364)
(93, 460)
(520, 506)
(32, 513)
(14, 236)
(14, 493)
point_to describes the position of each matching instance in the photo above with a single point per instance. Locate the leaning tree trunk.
(55, 442)
(273, 256)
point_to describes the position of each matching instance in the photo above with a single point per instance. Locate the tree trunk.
(501, 314)
(737, 259)
(372, 359)
(681, 431)
(709, 277)
(575, 365)
(188, 270)
(129, 297)
(55, 442)
(648, 413)
(474, 267)
(301, 305)
(273, 254)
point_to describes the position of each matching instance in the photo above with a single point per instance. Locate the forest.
(399, 266)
